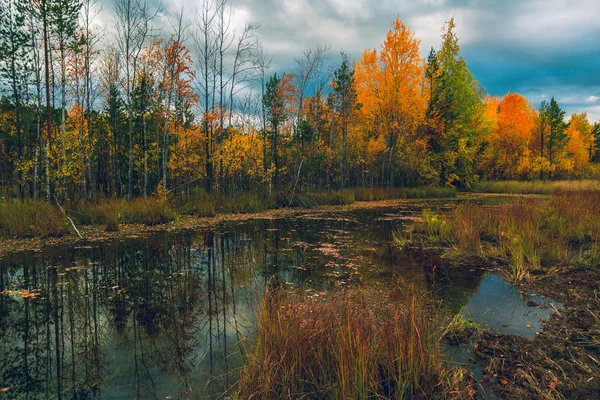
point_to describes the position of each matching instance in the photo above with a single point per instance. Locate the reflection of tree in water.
(48, 346)
(128, 320)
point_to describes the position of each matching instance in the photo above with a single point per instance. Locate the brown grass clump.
(347, 345)
(29, 218)
(148, 211)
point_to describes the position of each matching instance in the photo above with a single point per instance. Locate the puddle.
(498, 306)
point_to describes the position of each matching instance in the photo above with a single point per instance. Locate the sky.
(539, 48)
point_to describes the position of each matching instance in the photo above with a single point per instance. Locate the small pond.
(163, 316)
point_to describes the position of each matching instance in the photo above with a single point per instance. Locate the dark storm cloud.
(538, 48)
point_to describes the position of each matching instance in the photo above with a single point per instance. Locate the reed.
(354, 344)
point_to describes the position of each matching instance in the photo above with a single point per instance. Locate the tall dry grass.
(29, 218)
(422, 192)
(537, 187)
(355, 344)
(531, 233)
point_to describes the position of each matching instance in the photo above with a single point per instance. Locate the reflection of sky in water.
(500, 307)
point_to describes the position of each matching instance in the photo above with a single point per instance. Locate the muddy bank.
(98, 233)
(562, 361)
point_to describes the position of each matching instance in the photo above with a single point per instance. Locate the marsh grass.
(349, 196)
(529, 234)
(354, 344)
(148, 211)
(423, 192)
(316, 199)
(207, 205)
(28, 218)
(537, 187)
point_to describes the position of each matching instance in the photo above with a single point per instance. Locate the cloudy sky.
(539, 48)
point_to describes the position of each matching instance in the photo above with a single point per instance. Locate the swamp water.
(164, 316)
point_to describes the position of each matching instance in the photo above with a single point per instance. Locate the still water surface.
(164, 316)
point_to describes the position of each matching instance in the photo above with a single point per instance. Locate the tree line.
(174, 103)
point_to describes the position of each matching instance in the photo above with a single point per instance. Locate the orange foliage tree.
(390, 90)
(508, 155)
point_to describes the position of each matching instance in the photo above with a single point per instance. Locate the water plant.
(460, 328)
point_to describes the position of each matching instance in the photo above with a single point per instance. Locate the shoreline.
(98, 233)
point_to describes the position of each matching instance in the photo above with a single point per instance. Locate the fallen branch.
(66, 216)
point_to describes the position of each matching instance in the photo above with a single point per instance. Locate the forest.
(172, 103)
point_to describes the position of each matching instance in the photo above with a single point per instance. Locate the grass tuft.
(354, 344)
(29, 218)
(460, 329)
